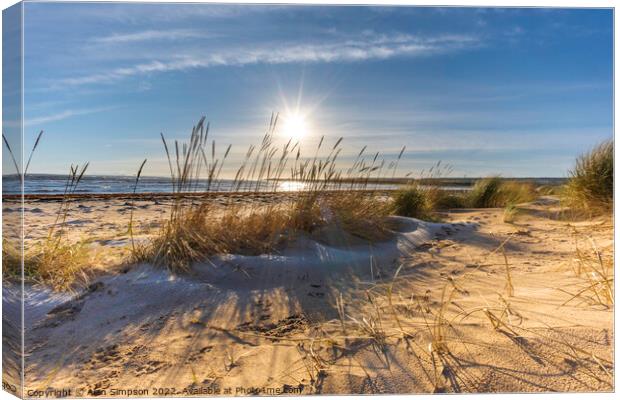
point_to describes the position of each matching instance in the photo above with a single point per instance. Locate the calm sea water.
(55, 184)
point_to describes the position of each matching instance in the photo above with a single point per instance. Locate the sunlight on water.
(291, 186)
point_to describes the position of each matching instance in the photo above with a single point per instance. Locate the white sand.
(272, 321)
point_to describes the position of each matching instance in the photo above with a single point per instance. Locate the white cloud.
(148, 35)
(369, 47)
(63, 115)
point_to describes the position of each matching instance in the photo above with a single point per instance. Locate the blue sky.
(516, 92)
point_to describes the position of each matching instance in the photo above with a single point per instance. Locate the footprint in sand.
(79, 222)
(200, 353)
(150, 367)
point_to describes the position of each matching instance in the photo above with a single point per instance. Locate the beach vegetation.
(485, 193)
(56, 260)
(197, 230)
(423, 196)
(549, 190)
(511, 211)
(496, 192)
(411, 201)
(445, 200)
(590, 188)
(595, 269)
(11, 258)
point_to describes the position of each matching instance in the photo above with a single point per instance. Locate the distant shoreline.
(50, 187)
(466, 182)
(345, 180)
(169, 195)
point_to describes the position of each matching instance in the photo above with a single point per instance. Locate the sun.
(294, 126)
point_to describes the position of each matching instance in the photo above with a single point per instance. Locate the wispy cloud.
(148, 35)
(371, 46)
(63, 115)
(138, 13)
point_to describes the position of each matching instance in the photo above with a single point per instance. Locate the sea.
(96, 184)
(93, 184)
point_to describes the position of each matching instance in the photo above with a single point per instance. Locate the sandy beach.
(468, 304)
(204, 199)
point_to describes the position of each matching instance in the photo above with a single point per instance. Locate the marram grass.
(56, 260)
(590, 188)
(498, 192)
(196, 231)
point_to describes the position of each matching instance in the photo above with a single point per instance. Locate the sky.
(515, 92)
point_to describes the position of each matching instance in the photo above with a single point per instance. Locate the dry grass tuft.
(496, 192)
(411, 201)
(590, 188)
(445, 200)
(362, 215)
(206, 232)
(596, 270)
(61, 265)
(419, 199)
(196, 231)
(485, 193)
(56, 261)
(511, 211)
(11, 259)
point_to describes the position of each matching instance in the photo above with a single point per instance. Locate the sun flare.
(294, 126)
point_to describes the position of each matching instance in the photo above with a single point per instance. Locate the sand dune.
(327, 315)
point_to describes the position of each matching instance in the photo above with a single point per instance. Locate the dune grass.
(513, 192)
(411, 201)
(511, 211)
(59, 261)
(446, 200)
(418, 201)
(496, 192)
(549, 190)
(422, 197)
(196, 231)
(485, 193)
(61, 265)
(360, 215)
(56, 260)
(11, 259)
(590, 188)
(595, 268)
(328, 195)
